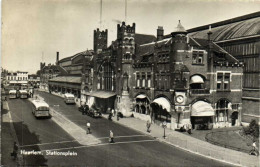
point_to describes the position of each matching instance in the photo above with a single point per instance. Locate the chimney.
(160, 33)
(57, 59)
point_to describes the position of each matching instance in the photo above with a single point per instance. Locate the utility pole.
(100, 13)
(125, 11)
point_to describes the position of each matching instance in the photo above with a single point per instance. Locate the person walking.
(113, 112)
(15, 150)
(88, 128)
(148, 125)
(189, 129)
(111, 137)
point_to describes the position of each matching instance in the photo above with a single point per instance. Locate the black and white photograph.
(130, 83)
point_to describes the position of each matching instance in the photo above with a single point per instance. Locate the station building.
(179, 80)
(186, 77)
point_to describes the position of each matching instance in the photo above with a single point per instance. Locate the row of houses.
(203, 76)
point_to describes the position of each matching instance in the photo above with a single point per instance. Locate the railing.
(199, 91)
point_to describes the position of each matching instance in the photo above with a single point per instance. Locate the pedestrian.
(148, 125)
(254, 146)
(88, 128)
(113, 112)
(111, 137)
(15, 150)
(189, 129)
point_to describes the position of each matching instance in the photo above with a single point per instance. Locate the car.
(94, 113)
(84, 109)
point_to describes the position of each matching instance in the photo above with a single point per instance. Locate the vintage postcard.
(130, 83)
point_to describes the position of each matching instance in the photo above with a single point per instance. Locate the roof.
(179, 29)
(226, 30)
(39, 103)
(86, 53)
(203, 43)
(66, 79)
(22, 91)
(68, 95)
(12, 91)
(56, 68)
(144, 38)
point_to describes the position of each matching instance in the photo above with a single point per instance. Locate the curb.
(167, 142)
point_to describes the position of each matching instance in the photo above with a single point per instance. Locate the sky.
(34, 30)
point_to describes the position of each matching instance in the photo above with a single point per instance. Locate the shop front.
(101, 100)
(202, 115)
(142, 108)
(161, 108)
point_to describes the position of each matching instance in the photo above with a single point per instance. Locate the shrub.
(254, 129)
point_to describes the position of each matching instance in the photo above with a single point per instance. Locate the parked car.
(94, 113)
(84, 109)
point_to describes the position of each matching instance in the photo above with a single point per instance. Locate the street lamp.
(164, 126)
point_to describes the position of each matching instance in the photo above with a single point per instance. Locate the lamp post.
(164, 126)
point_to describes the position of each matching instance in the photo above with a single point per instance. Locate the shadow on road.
(25, 137)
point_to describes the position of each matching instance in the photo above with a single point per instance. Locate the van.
(69, 98)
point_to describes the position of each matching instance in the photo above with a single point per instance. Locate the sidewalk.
(191, 144)
(8, 137)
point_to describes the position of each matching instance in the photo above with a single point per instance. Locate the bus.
(69, 98)
(40, 109)
(23, 94)
(12, 94)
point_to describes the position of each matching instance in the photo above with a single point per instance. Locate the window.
(197, 57)
(149, 80)
(137, 80)
(223, 81)
(143, 80)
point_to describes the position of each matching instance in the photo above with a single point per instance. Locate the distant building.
(18, 77)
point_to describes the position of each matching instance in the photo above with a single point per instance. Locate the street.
(131, 148)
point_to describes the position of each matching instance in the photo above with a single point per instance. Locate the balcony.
(198, 92)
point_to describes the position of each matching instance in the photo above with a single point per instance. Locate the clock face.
(179, 99)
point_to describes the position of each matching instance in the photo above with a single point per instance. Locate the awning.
(196, 79)
(141, 96)
(163, 102)
(101, 94)
(202, 108)
(66, 79)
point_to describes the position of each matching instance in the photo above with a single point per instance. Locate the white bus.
(12, 94)
(69, 98)
(23, 94)
(40, 109)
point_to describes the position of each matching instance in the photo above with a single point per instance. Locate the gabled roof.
(203, 44)
(56, 68)
(144, 38)
(86, 53)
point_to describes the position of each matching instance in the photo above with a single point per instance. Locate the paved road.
(132, 148)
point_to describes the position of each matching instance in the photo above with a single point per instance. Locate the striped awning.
(163, 102)
(101, 94)
(196, 79)
(141, 96)
(202, 108)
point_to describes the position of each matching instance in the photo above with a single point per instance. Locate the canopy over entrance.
(202, 108)
(141, 96)
(163, 102)
(196, 79)
(101, 94)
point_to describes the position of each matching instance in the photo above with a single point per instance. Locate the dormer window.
(197, 57)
